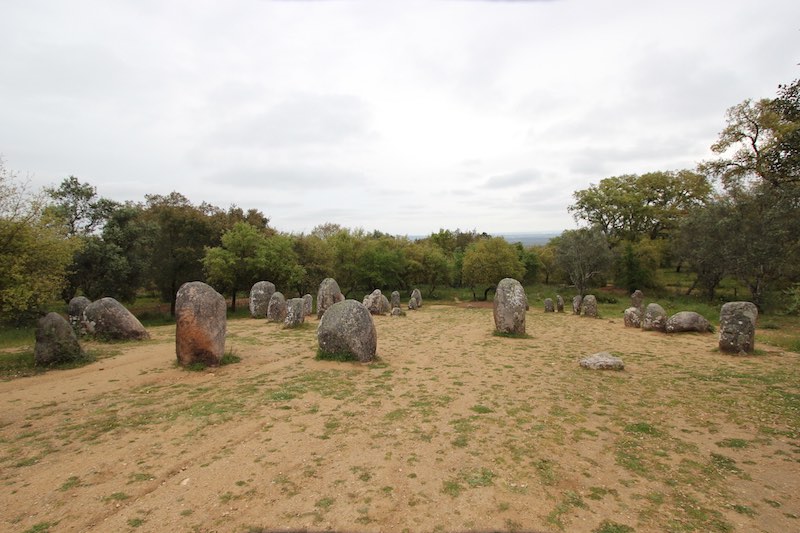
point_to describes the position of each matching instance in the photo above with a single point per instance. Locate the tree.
(631, 207)
(381, 263)
(547, 260)
(34, 251)
(636, 264)
(427, 264)
(180, 232)
(316, 256)
(584, 255)
(347, 248)
(78, 206)
(238, 261)
(487, 261)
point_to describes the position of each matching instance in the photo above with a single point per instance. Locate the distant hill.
(528, 239)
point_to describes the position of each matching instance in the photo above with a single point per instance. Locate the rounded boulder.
(110, 320)
(347, 327)
(55, 341)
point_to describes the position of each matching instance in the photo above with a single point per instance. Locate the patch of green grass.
(733, 443)
(324, 503)
(116, 497)
(642, 428)
(744, 509)
(342, 357)
(228, 358)
(481, 409)
(546, 472)
(569, 500)
(187, 512)
(135, 522)
(481, 477)
(70, 483)
(452, 488)
(41, 527)
(607, 526)
(509, 335)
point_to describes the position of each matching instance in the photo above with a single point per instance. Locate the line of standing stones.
(201, 320)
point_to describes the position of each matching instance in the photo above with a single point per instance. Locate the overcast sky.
(404, 116)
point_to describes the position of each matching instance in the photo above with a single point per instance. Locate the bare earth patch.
(452, 429)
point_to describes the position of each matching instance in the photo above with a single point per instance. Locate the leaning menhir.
(347, 327)
(737, 327)
(374, 302)
(633, 317)
(417, 296)
(509, 307)
(200, 324)
(260, 294)
(328, 294)
(108, 319)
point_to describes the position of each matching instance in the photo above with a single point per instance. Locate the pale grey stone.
(109, 320)
(347, 327)
(655, 318)
(602, 361)
(56, 341)
(276, 310)
(685, 321)
(548, 306)
(737, 327)
(295, 313)
(590, 306)
(327, 295)
(260, 294)
(509, 307)
(633, 317)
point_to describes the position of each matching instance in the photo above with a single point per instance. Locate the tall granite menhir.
(509, 307)
(200, 324)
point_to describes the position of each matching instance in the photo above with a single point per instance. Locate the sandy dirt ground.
(451, 429)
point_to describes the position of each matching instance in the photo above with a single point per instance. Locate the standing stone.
(737, 327)
(108, 319)
(637, 300)
(548, 305)
(559, 303)
(347, 327)
(396, 311)
(373, 302)
(75, 311)
(276, 310)
(395, 299)
(386, 307)
(687, 321)
(417, 296)
(327, 295)
(200, 324)
(56, 341)
(633, 317)
(509, 307)
(577, 303)
(655, 318)
(295, 313)
(308, 304)
(412, 303)
(590, 306)
(260, 294)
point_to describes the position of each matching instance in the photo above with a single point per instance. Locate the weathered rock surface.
(295, 313)
(396, 311)
(685, 321)
(75, 311)
(559, 303)
(548, 306)
(590, 306)
(417, 296)
(655, 318)
(328, 294)
(108, 319)
(386, 307)
(373, 302)
(602, 361)
(577, 303)
(637, 300)
(308, 304)
(347, 327)
(412, 304)
(737, 327)
(633, 317)
(200, 324)
(509, 307)
(395, 299)
(56, 341)
(260, 294)
(276, 310)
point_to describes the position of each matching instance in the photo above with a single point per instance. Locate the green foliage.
(487, 261)
(636, 265)
(584, 256)
(630, 207)
(34, 252)
(342, 357)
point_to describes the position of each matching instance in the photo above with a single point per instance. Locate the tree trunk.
(172, 297)
(233, 300)
(486, 293)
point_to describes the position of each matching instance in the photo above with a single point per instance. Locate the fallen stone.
(602, 361)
